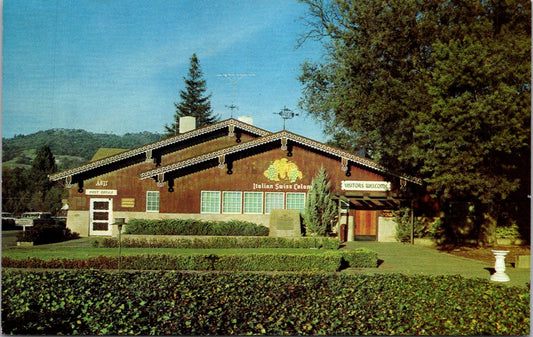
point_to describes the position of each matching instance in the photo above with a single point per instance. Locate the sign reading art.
(361, 185)
(100, 192)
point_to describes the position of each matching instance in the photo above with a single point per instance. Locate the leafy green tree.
(15, 197)
(320, 210)
(193, 100)
(437, 89)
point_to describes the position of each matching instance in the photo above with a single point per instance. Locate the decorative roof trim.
(159, 144)
(271, 138)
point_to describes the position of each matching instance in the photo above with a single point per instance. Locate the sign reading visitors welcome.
(361, 185)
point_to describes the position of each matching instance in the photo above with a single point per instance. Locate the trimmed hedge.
(173, 303)
(361, 258)
(330, 261)
(194, 227)
(222, 242)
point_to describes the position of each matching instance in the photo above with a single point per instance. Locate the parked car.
(8, 216)
(29, 219)
(8, 221)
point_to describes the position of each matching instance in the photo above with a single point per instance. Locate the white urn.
(499, 266)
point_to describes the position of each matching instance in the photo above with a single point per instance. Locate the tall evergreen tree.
(45, 196)
(437, 89)
(320, 210)
(194, 102)
(43, 164)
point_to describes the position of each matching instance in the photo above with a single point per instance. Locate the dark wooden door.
(366, 224)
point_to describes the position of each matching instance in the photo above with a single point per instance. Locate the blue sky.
(117, 66)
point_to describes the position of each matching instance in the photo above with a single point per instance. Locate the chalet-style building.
(230, 170)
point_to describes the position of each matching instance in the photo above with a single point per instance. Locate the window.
(274, 200)
(232, 202)
(210, 202)
(152, 201)
(253, 202)
(296, 201)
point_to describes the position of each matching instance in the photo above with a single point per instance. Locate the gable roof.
(282, 137)
(104, 152)
(231, 124)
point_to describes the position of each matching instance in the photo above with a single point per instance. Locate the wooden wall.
(247, 175)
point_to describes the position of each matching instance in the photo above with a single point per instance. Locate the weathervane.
(286, 113)
(234, 78)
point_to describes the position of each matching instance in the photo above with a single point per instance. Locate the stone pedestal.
(499, 266)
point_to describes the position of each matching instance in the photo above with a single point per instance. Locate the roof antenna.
(234, 78)
(286, 113)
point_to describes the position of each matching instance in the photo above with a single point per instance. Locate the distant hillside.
(70, 147)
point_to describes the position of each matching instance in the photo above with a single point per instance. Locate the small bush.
(44, 234)
(361, 258)
(508, 232)
(194, 227)
(8, 225)
(402, 218)
(223, 242)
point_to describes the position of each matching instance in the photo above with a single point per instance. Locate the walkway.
(411, 259)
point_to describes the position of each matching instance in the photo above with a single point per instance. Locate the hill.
(70, 147)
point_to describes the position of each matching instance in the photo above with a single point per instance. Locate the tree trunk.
(488, 228)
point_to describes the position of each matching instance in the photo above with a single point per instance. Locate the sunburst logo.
(282, 169)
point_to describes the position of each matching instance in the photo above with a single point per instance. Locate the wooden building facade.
(229, 170)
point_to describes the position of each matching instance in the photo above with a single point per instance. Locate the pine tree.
(43, 164)
(45, 196)
(320, 209)
(193, 100)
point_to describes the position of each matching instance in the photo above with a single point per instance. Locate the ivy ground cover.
(174, 303)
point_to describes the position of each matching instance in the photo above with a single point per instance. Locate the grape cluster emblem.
(282, 169)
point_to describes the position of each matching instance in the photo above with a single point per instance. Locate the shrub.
(194, 227)
(9, 224)
(173, 303)
(223, 242)
(402, 218)
(43, 234)
(361, 258)
(329, 261)
(508, 232)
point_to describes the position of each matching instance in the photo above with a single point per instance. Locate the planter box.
(426, 242)
(510, 242)
(23, 244)
(523, 261)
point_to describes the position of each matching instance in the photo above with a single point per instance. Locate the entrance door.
(101, 214)
(366, 225)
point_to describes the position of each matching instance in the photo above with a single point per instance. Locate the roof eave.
(276, 137)
(159, 144)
